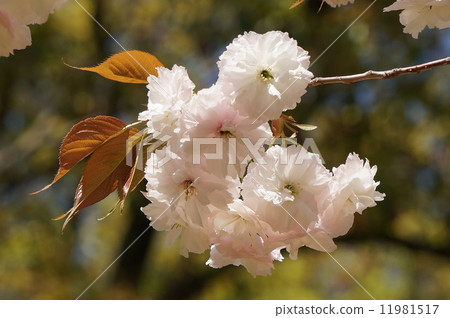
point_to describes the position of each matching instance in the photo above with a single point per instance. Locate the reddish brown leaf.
(135, 176)
(277, 126)
(105, 171)
(127, 67)
(83, 139)
(288, 122)
(130, 180)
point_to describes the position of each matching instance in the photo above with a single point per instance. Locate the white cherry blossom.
(355, 186)
(418, 14)
(264, 73)
(242, 239)
(168, 95)
(181, 196)
(284, 193)
(16, 15)
(13, 34)
(353, 189)
(216, 130)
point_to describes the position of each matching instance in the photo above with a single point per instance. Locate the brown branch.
(369, 75)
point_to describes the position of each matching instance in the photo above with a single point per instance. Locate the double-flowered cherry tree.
(222, 166)
(228, 186)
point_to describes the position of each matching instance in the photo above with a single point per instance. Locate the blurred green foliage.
(399, 249)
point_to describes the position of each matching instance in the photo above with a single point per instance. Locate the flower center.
(225, 133)
(294, 188)
(189, 190)
(226, 130)
(265, 75)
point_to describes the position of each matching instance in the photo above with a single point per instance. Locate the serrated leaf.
(82, 140)
(127, 67)
(105, 171)
(135, 176)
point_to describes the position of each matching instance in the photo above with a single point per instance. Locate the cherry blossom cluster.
(217, 181)
(16, 15)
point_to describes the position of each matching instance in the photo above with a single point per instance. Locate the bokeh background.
(397, 250)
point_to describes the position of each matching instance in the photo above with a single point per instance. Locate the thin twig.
(369, 75)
